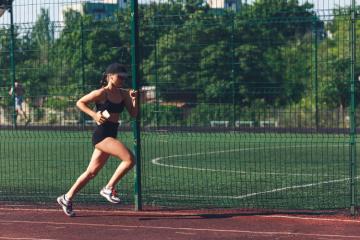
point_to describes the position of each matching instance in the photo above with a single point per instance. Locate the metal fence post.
(352, 110)
(12, 60)
(135, 84)
(232, 46)
(315, 70)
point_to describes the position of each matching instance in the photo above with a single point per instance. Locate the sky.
(26, 11)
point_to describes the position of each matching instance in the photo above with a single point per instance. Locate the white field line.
(256, 193)
(156, 161)
(265, 192)
(292, 188)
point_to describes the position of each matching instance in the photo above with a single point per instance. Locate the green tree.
(36, 63)
(86, 46)
(179, 54)
(336, 92)
(226, 58)
(5, 57)
(267, 33)
(43, 36)
(335, 76)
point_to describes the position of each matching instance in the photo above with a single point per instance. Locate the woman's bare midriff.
(114, 117)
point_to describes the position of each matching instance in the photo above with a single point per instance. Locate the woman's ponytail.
(103, 81)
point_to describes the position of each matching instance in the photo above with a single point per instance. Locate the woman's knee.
(129, 158)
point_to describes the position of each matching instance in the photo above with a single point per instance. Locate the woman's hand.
(131, 102)
(99, 118)
(133, 95)
(93, 97)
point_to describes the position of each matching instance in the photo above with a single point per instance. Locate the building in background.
(226, 4)
(99, 9)
(120, 3)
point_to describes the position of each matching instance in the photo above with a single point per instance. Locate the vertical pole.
(82, 55)
(82, 81)
(352, 110)
(135, 85)
(232, 67)
(156, 76)
(315, 69)
(12, 60)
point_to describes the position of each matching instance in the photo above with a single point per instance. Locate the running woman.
(111, 98)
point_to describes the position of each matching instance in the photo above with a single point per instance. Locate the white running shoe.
(110, 195)
(66, 206)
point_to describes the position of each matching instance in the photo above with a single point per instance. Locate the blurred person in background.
(19, 99)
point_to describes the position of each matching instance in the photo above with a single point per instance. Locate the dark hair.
(116, 68)
(103, 81)
(112, 69)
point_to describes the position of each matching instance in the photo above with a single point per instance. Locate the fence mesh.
(244, 104)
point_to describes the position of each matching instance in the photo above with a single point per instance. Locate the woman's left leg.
(98, 160)
(116, 148)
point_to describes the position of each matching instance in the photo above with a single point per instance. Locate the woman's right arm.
(83, 105)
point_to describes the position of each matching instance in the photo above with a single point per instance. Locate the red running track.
(24, 222)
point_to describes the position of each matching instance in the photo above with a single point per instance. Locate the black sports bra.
(110, 106)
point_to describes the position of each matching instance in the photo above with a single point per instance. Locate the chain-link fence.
(244, 104)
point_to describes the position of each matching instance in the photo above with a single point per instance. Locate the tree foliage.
(264, 53)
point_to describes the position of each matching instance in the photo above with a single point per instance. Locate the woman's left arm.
(131, 102)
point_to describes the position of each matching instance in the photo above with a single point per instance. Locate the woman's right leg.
(98, 159)
(116, 148)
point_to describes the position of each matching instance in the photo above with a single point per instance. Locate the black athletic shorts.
(107, 129)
